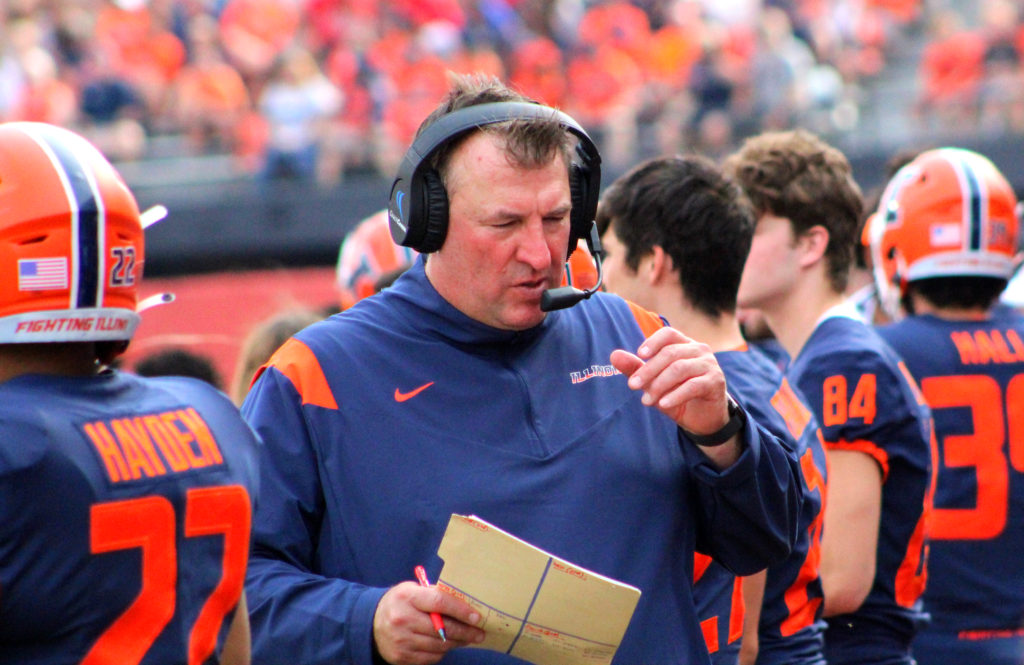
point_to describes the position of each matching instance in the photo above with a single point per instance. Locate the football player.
(367, 256)
(676, 233)
(943, 242)
(125, 502)
(876, 428)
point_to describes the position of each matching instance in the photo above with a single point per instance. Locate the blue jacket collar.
(435, 313)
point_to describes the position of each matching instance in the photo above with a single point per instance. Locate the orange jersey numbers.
(839, 405)
(912, 575)
(709, 626)
(149, 523)
(982, 449)
(802, 609)
(1015, 413)
(791, 409)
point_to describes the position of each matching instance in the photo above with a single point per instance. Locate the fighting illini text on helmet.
(71, 243)
(948, 213)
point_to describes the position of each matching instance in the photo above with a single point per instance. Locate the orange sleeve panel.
(648, 321)
(866, 447)
(297, 362)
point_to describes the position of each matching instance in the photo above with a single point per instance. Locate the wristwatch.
(737, 420)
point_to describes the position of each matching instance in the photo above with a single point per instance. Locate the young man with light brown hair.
(876, 427)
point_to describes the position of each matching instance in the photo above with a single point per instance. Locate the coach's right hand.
(403, 633)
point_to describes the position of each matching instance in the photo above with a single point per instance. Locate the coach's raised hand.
(682, 378)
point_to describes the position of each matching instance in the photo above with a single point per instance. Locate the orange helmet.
(71, 246)
(368, 253)
(948, 213)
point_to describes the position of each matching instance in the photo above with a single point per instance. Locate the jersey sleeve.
(288, 599)
(748, 514)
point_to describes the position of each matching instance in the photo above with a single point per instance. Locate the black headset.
(418, 206)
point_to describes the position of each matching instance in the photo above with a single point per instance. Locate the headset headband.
(408, 208)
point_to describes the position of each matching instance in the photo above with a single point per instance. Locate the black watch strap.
(737, 419)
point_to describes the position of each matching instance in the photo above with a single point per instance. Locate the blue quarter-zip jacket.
(382, 421)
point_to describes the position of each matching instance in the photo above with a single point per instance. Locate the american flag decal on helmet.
(43, 274)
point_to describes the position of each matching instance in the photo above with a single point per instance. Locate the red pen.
(435, 618)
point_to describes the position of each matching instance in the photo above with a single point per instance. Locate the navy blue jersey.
(125, 509)
(718, 596)
(773, 350)
(791, 627)
(865, 401)
(972, 375)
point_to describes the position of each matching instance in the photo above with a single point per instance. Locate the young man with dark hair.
(676, 233)
(876, 427)
(943, 242)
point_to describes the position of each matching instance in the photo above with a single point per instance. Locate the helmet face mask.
(948, 213)
(887, 267)
(71, 243)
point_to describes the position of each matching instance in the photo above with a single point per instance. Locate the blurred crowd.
(971, 72)
(314, 88)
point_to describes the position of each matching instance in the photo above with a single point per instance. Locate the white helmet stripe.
(975, 202)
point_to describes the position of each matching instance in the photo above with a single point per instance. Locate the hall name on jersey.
(986, 347)
(153, 444)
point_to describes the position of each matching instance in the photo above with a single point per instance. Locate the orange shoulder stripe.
(297, 362)
(648, 321)
(865, 447)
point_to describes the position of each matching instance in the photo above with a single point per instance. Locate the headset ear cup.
(435, 209)
(579, 225)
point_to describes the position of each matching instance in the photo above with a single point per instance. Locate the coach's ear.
(812, 244)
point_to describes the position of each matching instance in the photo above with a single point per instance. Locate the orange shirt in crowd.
(255, 32)
(538, 71)
(138, 47)
(418, 86)
(952, 68)
(600, 79)
(671, 54)
(620, 24)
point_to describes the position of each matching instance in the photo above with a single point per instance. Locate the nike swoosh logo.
(401, 397)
